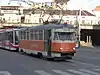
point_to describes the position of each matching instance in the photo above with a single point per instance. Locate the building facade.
(18, 14)
(97, 13)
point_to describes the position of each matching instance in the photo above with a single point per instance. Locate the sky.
(72, 4)
(83, 4)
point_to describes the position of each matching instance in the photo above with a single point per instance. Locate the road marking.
(41, 72)
(5, 73)
(77, 72)
(85, 63)
(88, 71)
(68, 72)
(97, 69)
(61, 72)
(90, 57)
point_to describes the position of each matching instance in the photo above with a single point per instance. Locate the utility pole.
(79, 25)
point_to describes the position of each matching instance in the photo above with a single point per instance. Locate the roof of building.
(58, 12)
(59, 1)
(9, 7)
(97, 8)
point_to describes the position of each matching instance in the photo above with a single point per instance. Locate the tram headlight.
(61, 48)
(73, 48)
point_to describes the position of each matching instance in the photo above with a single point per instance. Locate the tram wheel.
(59, 59)
(69, 57)
(21, 51)
(39, 55)
(17, 50)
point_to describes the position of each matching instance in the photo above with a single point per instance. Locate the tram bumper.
(67, 55)
(63, 55)
(63, 58)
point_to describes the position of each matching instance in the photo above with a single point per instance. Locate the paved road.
(85, 62)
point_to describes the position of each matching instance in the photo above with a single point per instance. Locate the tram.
(55, 41)
(9, 38)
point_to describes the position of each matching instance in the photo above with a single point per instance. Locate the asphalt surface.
(85, 62)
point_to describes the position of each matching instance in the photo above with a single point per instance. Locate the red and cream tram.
(9, 38)
(51, 40)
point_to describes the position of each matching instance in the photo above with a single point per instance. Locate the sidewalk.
(85, 48)
(83, 44)
(88, 47)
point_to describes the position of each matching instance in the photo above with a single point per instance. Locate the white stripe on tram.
(77, 72)
(41, 72)
(61, 72)
(90, 72)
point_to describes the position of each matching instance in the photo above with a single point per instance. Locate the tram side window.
(16, 38)
(21, 35)
(1, 36)
(31, 35)
(24, 34)
(36, 35)
(27, 35)
(6, 36)
(40, 35)
(10, 36)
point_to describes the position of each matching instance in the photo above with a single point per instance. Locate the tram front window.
(64, 36)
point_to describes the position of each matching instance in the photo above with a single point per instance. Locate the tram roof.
(21, 29)
(51, 26)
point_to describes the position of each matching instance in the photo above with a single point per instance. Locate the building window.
(75, 17)
(28, 20)
(67, 17)
(83, 17)
(83, 21)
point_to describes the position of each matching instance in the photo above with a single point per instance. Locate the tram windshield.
(68, 36)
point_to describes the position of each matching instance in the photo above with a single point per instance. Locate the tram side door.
(47, 43)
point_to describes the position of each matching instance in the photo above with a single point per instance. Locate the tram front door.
(47, 43)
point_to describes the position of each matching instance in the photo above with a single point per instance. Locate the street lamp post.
(79, 27)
